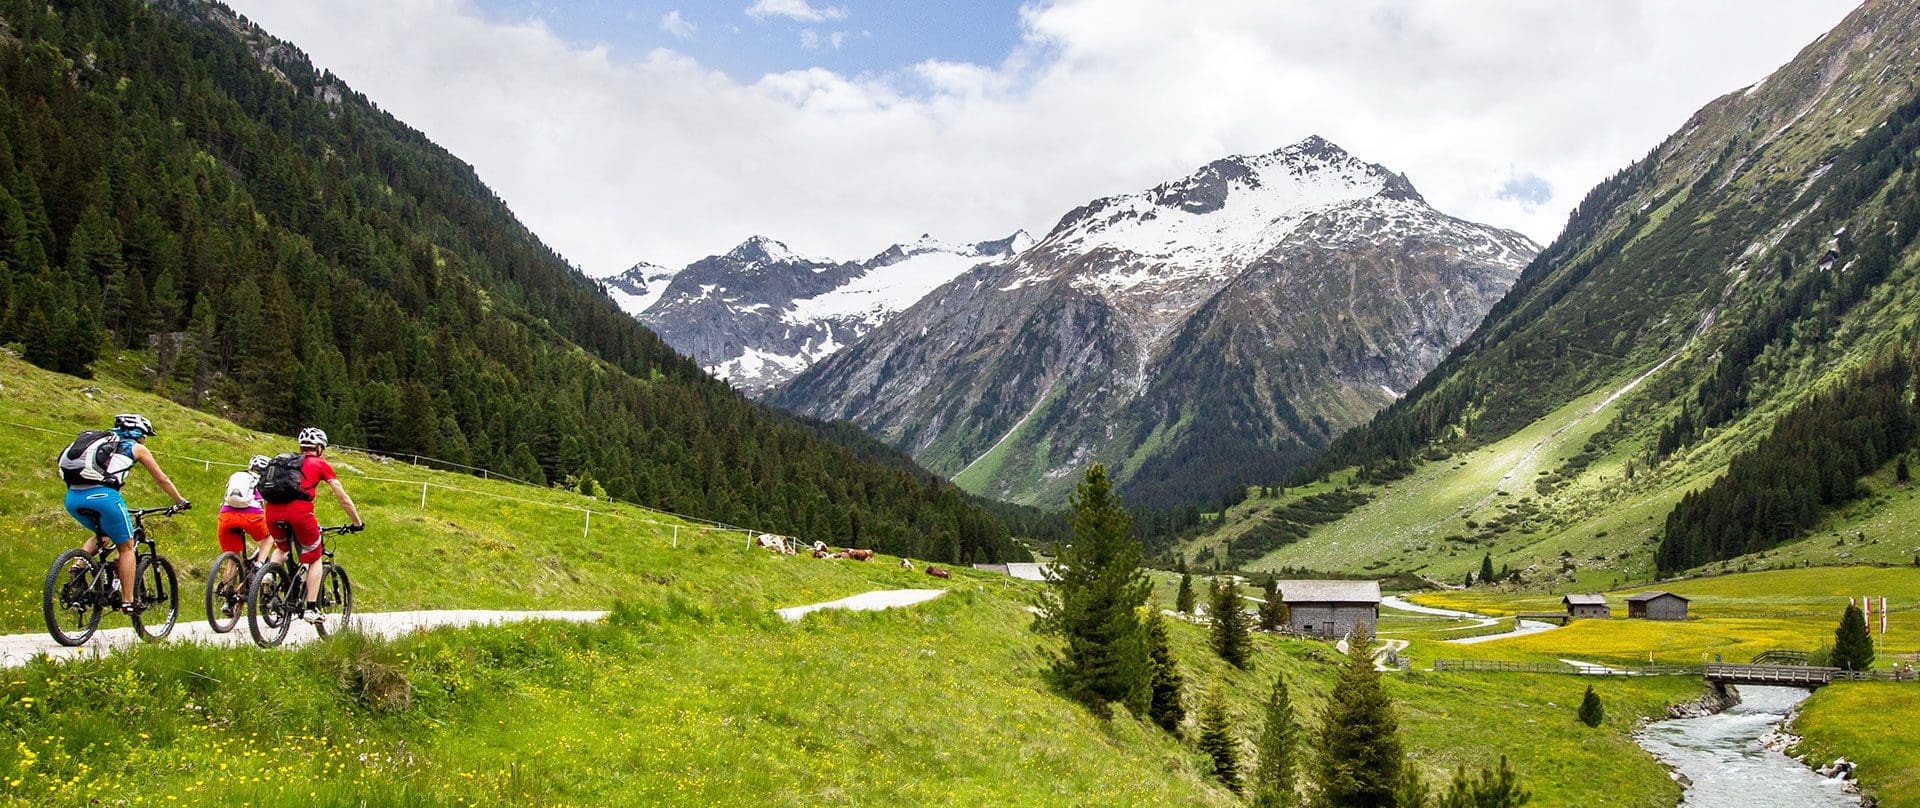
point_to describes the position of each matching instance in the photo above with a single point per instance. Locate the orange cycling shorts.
(236, 526)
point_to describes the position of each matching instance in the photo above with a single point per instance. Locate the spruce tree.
(1217, 742)
(1852, 645)
(1094, 604)
(1183, 600)
(1230, 624)
(1591, 713)
(1273, 612)
(1486, 568)
(1359, 759)
(1493, 788)
(1165, 708)
(1279, 742)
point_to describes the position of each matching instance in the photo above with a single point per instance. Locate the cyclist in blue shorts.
(95, 467)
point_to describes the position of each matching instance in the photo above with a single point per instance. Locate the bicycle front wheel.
(69, 600)
(267, 613)
(336, 600)
(226, 592)
(157, 591)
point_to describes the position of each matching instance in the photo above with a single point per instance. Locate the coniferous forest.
(175, 182)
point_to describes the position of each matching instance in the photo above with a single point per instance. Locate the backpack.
(95, 457)
(240, 490)
(284, 480)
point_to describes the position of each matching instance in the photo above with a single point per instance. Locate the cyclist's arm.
(346, 502)
(145, 457)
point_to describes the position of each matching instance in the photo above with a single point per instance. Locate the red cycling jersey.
(298, 514)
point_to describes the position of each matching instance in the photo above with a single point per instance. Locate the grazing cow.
(860, 555)
(819, 553)
(939, 572)
(777, 544)
(838, 555)
(906, 564)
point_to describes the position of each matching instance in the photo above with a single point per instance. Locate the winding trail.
(17, 649)
(866, 602)
(1521, 627)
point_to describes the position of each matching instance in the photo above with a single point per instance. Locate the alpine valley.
(1220, 327)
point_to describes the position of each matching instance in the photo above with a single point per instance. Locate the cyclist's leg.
(114, 524)
(281, 539)
(256, 525)
(307, 532)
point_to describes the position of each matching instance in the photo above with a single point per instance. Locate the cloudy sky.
(630, 130)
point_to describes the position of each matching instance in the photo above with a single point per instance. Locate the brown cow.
(860, 555)
(939, 572)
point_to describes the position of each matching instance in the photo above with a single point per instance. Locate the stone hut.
(1331, 609)
(1657, 606)
(1587, 606)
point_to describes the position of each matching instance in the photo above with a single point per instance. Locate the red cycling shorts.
(236, 526)
(306, 529)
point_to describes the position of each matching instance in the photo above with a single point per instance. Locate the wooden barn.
(1657, 606)
(1331, 609)
(1586, 606)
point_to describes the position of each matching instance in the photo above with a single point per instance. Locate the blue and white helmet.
(133, 425)
(312, 438)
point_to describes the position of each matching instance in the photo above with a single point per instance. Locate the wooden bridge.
(1727, 673)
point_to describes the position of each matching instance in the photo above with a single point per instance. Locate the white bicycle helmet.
(258, 463)
(132, 422)
(312, 438)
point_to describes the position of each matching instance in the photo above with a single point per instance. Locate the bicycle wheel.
(158, 591)
(336, 600)
(267, 616)
(226, 592)
(69, 601)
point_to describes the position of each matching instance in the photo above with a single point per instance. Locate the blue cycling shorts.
(101, 510)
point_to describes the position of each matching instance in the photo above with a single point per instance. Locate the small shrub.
(1591, 712)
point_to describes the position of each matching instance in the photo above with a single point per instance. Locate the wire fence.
(692, 524)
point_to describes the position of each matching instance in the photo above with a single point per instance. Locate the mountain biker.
(298, 515)
(99, 507)
(243, 515)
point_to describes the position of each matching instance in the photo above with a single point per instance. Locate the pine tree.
(1230, 624)
(1359, 757)
(1486, 569)
(1279, 742)
(1852, 645)
(1094, 603)
(1591, 713)
(1217, 741)
(1184, 599)
(1273, 610)
(1166, 708)
(1493, 788)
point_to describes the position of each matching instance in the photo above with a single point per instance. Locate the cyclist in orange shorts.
(243, 515)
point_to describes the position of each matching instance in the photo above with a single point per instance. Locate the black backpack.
(283, 481)
(91, 460)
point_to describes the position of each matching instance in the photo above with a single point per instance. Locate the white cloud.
(1505, 111)
(797, 10)
(810, 39)
(680, 27)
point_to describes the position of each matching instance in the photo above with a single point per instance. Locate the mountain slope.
(1222, 326)
(1759, 256)
(179, 183)
(759, 314)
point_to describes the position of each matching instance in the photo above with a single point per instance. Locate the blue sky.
(873, 37)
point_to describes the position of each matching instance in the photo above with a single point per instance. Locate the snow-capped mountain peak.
(759, 251)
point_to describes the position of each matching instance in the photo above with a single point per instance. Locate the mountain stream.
(1722, 756)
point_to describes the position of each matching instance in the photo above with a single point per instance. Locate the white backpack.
(240, 494)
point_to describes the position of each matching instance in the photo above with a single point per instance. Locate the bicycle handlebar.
(167, 511)
(343, 529)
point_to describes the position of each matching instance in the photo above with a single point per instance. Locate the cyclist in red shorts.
(298, 511)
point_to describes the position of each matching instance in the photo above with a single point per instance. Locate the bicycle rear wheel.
(69, 601)
(226, 592)
(336, 600)
(267, 615)
(157, 590)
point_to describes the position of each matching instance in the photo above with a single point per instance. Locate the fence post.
(676, 536)
(423, 496)
(585, 528)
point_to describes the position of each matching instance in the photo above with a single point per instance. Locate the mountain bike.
(80, 585)
(277, 592)
(226, 595)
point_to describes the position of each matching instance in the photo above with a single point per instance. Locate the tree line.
(276, 249)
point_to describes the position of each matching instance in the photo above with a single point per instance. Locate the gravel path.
(16, 649)
(1521, 629)
(866, 602)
